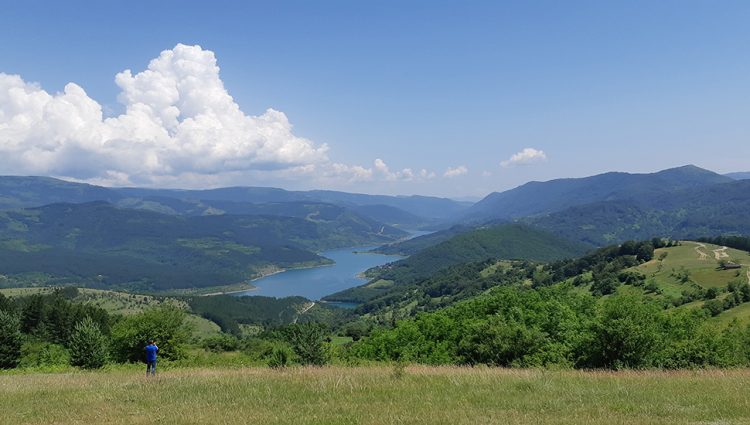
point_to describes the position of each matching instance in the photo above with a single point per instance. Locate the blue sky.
(452, 88)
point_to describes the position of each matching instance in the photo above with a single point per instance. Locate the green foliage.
(88, 345)
(99, 245)
(10, 340)
(52, 317)
(165, 325)
(221, 343)
(560, 327)
(228, 311)
(625, 332)
(308, 342)
(280, 357)
(43, 354)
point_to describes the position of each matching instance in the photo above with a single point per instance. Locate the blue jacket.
(151, 351)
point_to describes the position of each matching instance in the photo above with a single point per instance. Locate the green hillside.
(505, 241)
(535, 198)
(99, 245)
(686, 214)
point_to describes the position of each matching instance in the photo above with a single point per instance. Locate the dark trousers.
(151, 367)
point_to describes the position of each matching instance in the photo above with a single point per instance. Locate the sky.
(445, 98)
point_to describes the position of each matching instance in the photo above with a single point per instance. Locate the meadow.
(376, 395)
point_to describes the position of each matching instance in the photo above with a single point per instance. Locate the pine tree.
(10, 340)
(88, 345)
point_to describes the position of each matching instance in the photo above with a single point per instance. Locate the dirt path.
(720, 253)
(701, 255)
(304, 310)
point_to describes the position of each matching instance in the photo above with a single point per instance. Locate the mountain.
(739, 176)
(405, 211)
(100, 245)
(413, 245)
(683, 214)
(505, 241)
(536, 198)
(421, 206)
(24, 192)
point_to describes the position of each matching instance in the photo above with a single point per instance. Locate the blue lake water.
(317, 282)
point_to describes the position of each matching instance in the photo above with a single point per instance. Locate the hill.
(99, 245)
(536, 198)
(406, 211)
(414, 245)
(23, 192)
(739, 175)
(682, 214)
(505, 241)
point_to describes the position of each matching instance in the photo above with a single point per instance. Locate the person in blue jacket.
(151, 350)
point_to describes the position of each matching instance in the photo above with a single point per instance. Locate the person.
(151, 350)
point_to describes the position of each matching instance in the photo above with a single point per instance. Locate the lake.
(317, 282)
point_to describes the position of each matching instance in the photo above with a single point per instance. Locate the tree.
(645, 252)
(307, 341)
(165, 324)
(33, 315)
(625, 332)
(88, 345)
(5, 303)
(10, 340)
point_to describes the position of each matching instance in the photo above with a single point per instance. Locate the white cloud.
(525, 157)
(486, 173)
(381, 168)
(455, 171)
(179, 122)
(427, 175)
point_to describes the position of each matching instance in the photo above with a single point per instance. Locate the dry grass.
(376, 395)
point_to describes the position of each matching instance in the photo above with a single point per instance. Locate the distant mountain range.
(608, 208)
(64, 230)
(739, 176)
(406, 211)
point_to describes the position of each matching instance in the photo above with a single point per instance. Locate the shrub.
(88, 346)
(165, 324)
(10, 340)
(280, 357)
(220, 343)
(308, 342)
(40, 354)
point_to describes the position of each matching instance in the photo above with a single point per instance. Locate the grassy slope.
(374, 395)
(702, 271)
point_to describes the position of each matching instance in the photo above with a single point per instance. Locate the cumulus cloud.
(382, 169)
(179, 123)
(455, 171)
(525, 157)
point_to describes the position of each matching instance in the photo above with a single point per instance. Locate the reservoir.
(317, 282)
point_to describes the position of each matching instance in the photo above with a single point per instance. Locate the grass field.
(377, 395)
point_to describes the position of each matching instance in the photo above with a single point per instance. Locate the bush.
(41, 354)
(308, 342)
(627, 329)
(10, 340)
(165, 325)
(88, 346)
(280, 357)
(221, 343)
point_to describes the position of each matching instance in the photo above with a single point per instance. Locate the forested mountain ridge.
(406, 211)
(100, 245)
(504, 241)
(536, 198)
(684, 214)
